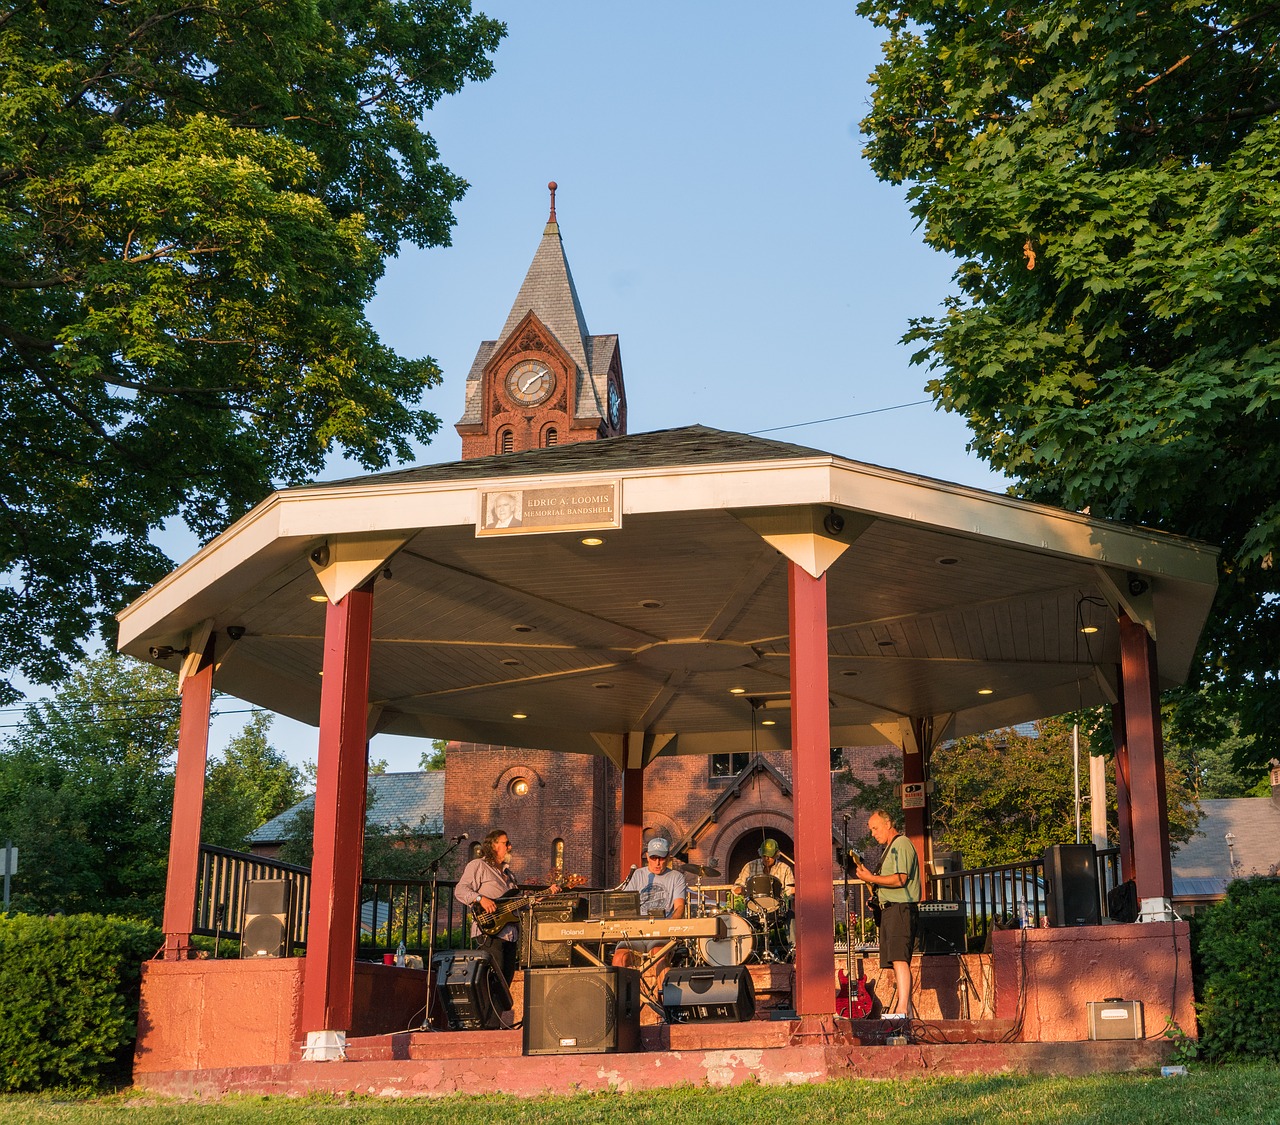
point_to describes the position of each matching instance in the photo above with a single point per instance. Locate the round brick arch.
(729, 833)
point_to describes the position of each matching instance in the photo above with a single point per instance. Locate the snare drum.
(732, 949)
(764, 894)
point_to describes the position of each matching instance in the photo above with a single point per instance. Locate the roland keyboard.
(615, 929)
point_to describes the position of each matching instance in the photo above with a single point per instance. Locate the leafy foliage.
(1240, 959)
(251, 783)
(196, 204)
(1107, 172)
(86, 792)
(69, 999)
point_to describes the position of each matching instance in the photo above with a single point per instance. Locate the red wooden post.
(632, 843)
(188, 806)
(1148, 810)
(340, 808)
(915, 821)
(811, 799)
(1124, 805)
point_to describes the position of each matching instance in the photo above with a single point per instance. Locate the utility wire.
(839, 417)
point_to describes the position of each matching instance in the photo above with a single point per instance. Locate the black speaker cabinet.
(266, 920)
(535, 954)
(708, 992)
(941, 928)
(470, 990)
(581, 1011)
(1122, 902)
(1071, 885)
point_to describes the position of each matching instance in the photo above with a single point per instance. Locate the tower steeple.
(545, 380)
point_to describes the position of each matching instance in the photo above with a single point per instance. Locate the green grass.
(1230, 1093)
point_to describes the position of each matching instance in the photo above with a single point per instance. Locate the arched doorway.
(747, 847)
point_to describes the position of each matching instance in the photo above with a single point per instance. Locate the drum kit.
(754, 926)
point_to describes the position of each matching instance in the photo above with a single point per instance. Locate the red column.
(339, 823)
(188, 806)
(1124, 806)
(1147, 803)
(811, 798)
(915, 822)
(632, 843)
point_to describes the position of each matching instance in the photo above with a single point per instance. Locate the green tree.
(433, 759)
(86, 792)
(248, 785)
(1107, 172)
(1004, 797)
(196, 204)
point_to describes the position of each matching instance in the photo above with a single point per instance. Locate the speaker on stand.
(1071, 885)
(266, 918)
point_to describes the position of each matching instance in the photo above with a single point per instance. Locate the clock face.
(615, 405)
(530, 382)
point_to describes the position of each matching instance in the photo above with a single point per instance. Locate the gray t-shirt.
(658, 893)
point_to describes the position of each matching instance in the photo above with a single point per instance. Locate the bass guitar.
(506, 911)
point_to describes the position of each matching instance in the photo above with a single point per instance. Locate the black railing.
(220, 892)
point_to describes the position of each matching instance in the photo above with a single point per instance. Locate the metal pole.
(8, 853)
(1075, 769)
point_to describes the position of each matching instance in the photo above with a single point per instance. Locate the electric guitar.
(858, 1006)
(873, 900)
(506, 910)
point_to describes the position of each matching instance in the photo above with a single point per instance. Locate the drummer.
(769, 864)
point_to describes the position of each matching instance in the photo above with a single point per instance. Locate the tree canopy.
(1108, 175)
(247, 785)
(196, 203)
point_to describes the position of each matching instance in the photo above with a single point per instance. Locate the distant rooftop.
(414, 800)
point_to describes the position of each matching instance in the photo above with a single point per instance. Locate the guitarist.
(897, 886)
(484, 880)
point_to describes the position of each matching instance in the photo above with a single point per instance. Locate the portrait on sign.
(576, 507)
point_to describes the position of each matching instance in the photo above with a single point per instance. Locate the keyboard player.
(662, 894)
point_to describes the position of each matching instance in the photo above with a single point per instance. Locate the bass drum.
(734, 947)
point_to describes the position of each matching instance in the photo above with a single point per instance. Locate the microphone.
(627, 876)
(460, 838)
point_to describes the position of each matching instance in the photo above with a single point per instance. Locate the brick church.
(547, 380)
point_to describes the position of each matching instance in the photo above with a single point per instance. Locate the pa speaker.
(581, 1011)
(1071, 885)
(471, 991)
(709, 993)
(1122, 902)
(535, 954)
(266, 920)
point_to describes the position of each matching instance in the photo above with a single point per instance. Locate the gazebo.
(652, 594)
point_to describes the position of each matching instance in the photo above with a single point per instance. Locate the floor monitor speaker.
(470, 990)
(266, 919)
(1122, 902)
(1071, 885)
(581, 1011)
(706, 992)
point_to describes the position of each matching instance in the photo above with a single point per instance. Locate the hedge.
(69, 999)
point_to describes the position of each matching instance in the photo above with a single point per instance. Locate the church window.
(728, 765)
(557, 854)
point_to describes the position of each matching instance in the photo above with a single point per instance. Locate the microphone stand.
(848, 923)
(433, 871)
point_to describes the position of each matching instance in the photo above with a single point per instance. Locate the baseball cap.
(769, 848)
(658, 846)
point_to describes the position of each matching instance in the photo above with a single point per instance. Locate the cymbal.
(701, 872)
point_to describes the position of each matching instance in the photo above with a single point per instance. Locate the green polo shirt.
(900, 858)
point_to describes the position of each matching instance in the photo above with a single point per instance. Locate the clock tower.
(545, 380)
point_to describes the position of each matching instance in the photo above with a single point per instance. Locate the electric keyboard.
(615, 929)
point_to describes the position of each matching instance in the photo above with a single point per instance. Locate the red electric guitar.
(859, 1007)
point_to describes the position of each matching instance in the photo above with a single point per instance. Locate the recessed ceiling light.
(737, 691)
(319, 598)
(602, 685)
(649, 603)
(518, 715)
(768, 722)
(592, 541)
(849, 672)
(1089, 629)
(946, 560)
(522, 628)
(511, 662)
(885, 644)
(986, 691)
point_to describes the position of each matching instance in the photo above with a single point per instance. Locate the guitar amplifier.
(942, 927)
(535, 954)
(613, 904)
